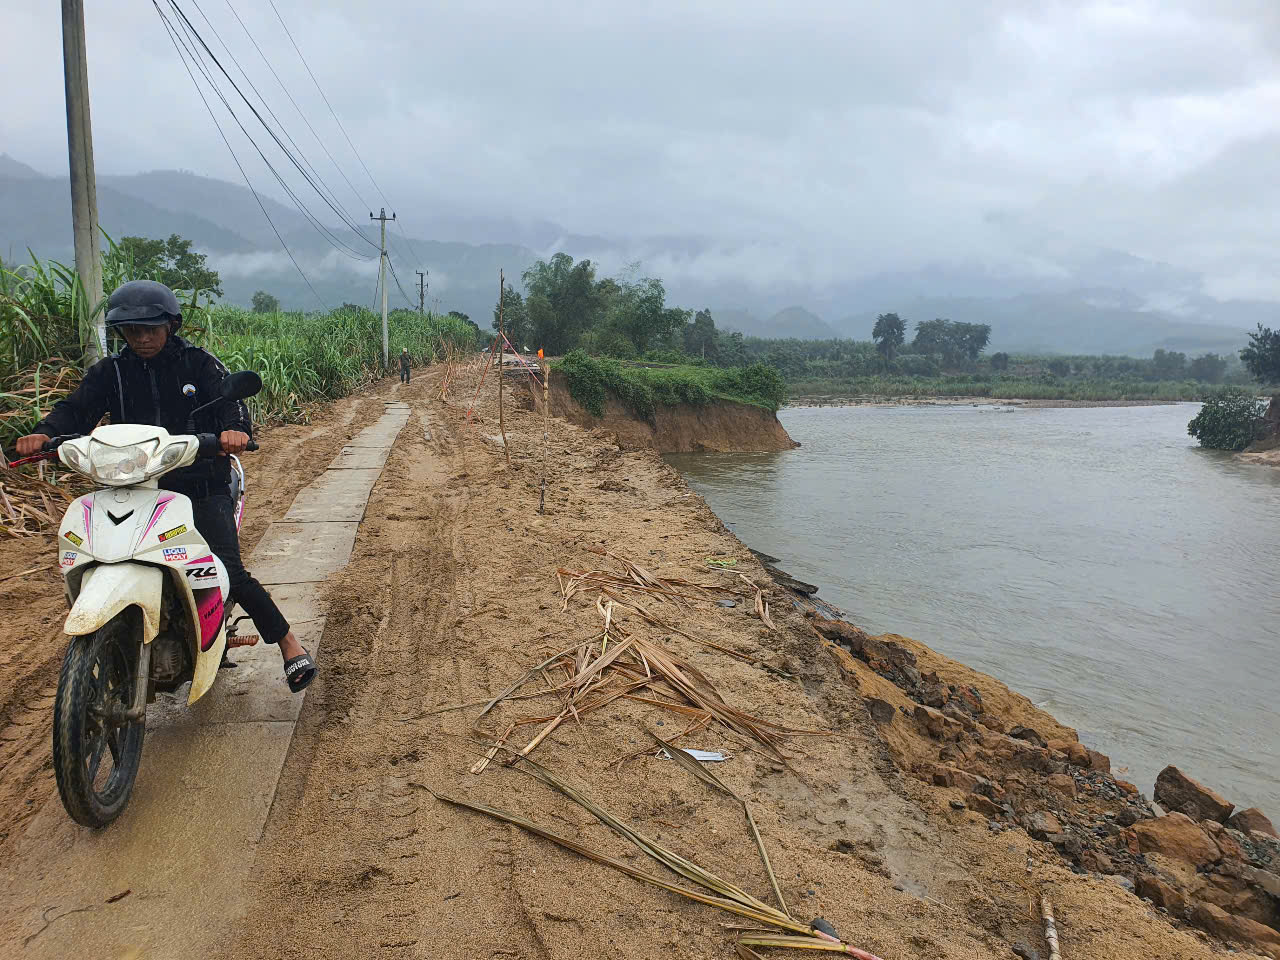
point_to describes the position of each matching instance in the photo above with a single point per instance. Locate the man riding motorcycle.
(159, 379)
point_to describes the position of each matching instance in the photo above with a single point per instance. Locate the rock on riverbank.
(1001, 757)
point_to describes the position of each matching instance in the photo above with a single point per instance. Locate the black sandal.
(299, 671)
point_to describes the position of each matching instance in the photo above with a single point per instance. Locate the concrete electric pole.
(382, 273)
(422, 291)
(84, 191)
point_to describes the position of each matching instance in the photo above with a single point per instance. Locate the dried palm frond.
(687, 761)
(803, 943)
(722, 893)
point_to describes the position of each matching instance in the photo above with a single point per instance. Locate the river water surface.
(1093, 559)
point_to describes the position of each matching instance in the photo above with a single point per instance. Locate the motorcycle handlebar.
(48, 451)
(211, 445)
(35, 458)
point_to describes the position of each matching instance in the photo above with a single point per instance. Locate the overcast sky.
(836, 136)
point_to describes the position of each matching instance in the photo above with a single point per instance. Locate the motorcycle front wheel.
(96, 759)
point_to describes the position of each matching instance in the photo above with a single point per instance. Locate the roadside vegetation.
(1229, 419)
(46, 320)
(644, 388)
(1232, 418)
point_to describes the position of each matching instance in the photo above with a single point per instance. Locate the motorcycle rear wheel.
(95, 761)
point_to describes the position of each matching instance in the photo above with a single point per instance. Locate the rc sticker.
(174, 554)
(69, 558)
(74, 538)
(202, 576)
(170, 534)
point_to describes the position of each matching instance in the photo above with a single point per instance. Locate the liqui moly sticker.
(68, 558)
(175, 554)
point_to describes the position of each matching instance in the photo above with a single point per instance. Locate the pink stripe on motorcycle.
(161, 505)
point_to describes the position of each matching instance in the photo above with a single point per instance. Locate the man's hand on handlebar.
(232, 441)
(33, 444)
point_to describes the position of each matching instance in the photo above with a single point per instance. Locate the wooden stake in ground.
(546, 437)
(502, 349)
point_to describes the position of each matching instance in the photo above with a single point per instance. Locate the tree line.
(567, 306)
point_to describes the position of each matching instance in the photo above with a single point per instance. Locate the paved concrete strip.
(292, 552)
(335, 495)
(360, 458)
(299, 602)
(177, 860)
(381, 434)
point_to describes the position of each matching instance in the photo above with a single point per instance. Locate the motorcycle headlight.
(171, 455)
(72, 456)
(120, 465)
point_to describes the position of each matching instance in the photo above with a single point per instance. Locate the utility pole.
(84, 191)
(382, 274)
(422, 292)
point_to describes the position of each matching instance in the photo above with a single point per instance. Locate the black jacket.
(134, 390)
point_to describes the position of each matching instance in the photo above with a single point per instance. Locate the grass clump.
(643, 389)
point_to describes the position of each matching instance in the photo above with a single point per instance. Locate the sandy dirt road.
(450, 594)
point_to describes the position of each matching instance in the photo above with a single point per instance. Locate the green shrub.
(1230, 419)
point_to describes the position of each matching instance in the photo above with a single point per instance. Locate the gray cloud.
(803, 140)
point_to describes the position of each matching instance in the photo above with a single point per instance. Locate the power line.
(174, 38)
(301, 113)
(332, 197)
(193, 55)
(337, 120)
(195, 35)
(397, 280)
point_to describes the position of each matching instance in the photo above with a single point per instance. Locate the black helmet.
(145, 302)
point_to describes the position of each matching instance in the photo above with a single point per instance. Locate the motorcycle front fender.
(109, 588)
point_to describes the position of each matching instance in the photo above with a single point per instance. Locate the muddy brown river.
(1094, 559)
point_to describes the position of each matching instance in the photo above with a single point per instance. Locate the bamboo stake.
(1050, 928)
(546, 436)
(502, 349)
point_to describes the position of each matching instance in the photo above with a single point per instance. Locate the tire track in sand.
(356, 859)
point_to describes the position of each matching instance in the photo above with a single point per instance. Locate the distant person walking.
(404, 364)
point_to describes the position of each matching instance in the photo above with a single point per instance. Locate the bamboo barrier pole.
(546, 435)
(502, 349)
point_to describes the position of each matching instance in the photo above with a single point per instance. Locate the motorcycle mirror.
(241, 386)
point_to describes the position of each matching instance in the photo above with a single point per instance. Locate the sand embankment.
(722, 426)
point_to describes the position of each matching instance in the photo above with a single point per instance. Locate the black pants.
(215, 519)
(404, 374)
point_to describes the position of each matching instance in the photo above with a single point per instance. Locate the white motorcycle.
(148, 598)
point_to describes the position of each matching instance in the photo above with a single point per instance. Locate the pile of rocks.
(1217, 867)
(1201, 862)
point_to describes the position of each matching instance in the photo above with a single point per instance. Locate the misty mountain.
(9, 167)
(1102, 302)
(791, 321)
(35, 212)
